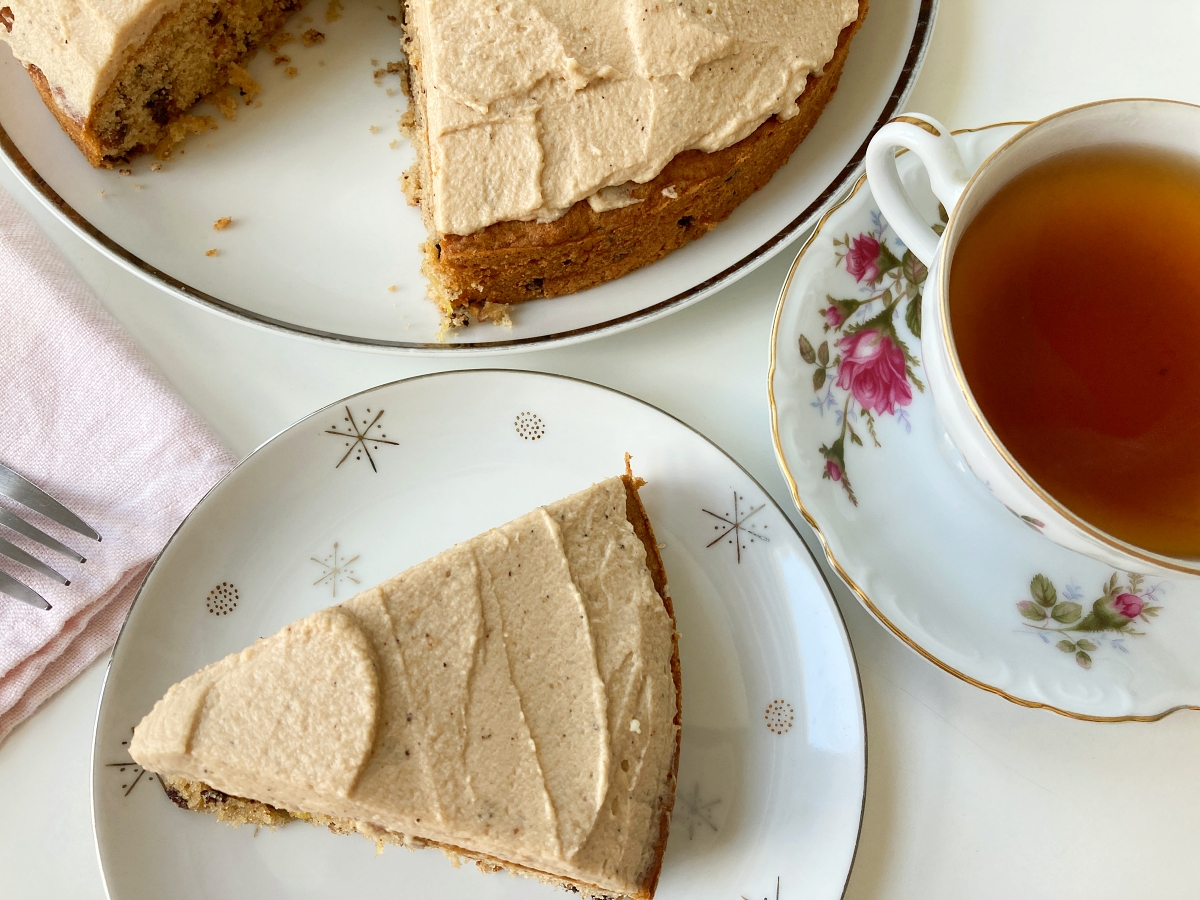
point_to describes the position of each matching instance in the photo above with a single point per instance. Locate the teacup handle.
(934, 146)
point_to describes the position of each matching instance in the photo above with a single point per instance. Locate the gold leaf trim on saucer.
(811, 520)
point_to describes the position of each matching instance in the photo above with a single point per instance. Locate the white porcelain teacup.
(1161, 124)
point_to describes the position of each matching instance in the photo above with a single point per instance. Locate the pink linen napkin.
(85, 417)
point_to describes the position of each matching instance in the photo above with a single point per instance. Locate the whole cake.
(514, 700)
(560, 143)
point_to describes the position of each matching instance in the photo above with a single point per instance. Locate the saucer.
(926, 548)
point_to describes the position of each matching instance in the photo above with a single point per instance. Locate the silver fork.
(29, 495)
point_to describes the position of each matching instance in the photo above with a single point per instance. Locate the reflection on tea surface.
(1075, 310)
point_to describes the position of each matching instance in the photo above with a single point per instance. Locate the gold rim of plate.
(862, 596)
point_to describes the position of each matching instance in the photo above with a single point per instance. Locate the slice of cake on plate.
(514, 700)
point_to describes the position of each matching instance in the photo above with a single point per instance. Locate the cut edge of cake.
(200, 797)
(148, 105)
(509, 262)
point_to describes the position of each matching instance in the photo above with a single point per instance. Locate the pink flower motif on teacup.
(862, 258)
(873, 371)
(865, 368)
(1128, 605)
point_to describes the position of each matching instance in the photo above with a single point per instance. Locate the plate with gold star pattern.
(772, 767)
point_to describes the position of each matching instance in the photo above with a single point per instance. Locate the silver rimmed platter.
(773, 765)
(322, 242)
(923, 544)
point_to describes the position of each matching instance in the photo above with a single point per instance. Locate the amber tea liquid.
(1075, 310)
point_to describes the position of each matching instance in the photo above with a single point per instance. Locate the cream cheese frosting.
(79, 46)
(512, 696)
(533, 105)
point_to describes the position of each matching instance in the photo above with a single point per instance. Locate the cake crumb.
(312, 36)
(393, 20)
(227, 105)
(333, 12)
(635, 726)
(180, 129)
(493, 312)
(155, 167)
(394, 144)
(241, 80)
(670, 192)
(291, 71)
(125, 171)
(136, 186)
(222, 223)
(102, 193)
(392, 288)
(391, 93)
(213, 252)
(282, 60)
(279, 40)
(374, 129)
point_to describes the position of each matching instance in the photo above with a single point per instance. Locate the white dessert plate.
(323, 243)
(924, 545)
(773, 765)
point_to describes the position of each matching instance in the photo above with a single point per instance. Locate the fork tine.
(14, 588)
(28, 494)
(12, 551)
(16, 523)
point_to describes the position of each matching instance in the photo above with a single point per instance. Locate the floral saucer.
(969, 585)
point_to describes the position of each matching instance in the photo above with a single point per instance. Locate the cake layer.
(533, 105)
(514, 697)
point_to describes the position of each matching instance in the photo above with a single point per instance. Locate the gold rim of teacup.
(952, 226)
(837, 567)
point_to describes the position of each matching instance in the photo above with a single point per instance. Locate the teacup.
(1158, 124)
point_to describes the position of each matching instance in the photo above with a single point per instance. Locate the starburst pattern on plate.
(695, 812)
(337, 569)
(735, 529)
(362, 439)
(136, 772)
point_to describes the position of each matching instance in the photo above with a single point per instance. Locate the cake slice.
(514, 700)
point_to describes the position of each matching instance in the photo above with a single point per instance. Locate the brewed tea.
(1075, 311)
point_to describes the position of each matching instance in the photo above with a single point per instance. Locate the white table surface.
(968, 795)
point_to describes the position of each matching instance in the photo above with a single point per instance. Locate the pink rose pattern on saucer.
(1109, 621)
(872, 372)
